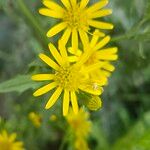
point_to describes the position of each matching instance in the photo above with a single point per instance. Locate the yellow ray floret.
(8, 142)
(76, 18)
(66, 78)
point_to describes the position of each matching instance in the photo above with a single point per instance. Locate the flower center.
(68, 77)
(76, 18)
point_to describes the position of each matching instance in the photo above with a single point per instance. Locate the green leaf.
(138, 137)
(19, 83)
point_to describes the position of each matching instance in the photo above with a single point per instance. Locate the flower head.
(80, 128)
(35, 119)
(8, 142)
(67, 78)
(98, 54)
(76, 18)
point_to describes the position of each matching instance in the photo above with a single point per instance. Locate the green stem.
(34, 23)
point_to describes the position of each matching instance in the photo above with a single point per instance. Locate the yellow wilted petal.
(50, 13)
(101, 13)
(66, 3)
(53, 98)
(45, 89)
(55, 54)
(56, 29)
(102, 43)
(100, 25)
(97, 6)
(74, 102)
(75, 40)
(65, 102)
(52, 5)
(48, 61)
(66, 35)
(42, 77)
(83, 3)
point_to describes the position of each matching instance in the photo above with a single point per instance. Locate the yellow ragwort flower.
(80, 128)
(98, 54)
(8, 142)
(76, 18)
(35, 119)
(66, 77)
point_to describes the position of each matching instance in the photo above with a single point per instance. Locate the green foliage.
(19, 84)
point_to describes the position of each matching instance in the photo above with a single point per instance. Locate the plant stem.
(34, 23)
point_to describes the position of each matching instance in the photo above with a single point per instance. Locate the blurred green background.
(123, 123)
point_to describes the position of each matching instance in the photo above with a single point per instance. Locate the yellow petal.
(55, 54)
(53, 98)
(74, 102)
(92, 90)
(66, 36)
(84, 38)
(45, 89)
(100, 25)
(83, 3)
(84, 57)
(102, 43)
(65, 102)
(107, 57)
(54, 6)
(56, 29)
(107, 54)
(66, 3)
(97, 6)
(95, 66)
(50, 13)
(42, 77)
(111, 50)
(48, 61)
(73, 2)
(95, 37)
(109, 67)
(101, 13)
(63, 50)
(73, 58)
(75, 40)
(71, 51)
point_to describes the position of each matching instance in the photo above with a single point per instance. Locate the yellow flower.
(98, 54)
(53, 118)
(35, 118)
(66, 77)
(80, 127)
(7, 142)
(76, 18)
